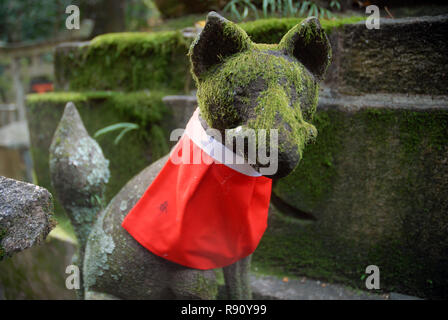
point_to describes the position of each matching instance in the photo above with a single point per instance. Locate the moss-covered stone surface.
(403, 56)
(125, 61)
(137, 61)
(38, 272)
(377, 182)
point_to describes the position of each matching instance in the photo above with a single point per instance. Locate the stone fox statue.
(241, 85)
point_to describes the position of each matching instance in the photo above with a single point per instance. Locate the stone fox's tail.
(79, 173)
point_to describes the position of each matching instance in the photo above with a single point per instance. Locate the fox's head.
(243, 85)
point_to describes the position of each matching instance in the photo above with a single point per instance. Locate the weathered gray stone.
(399, 296)
(15, 135)
(182, 107)
(79, 173)
(112, 255)
(25, 215)
(237, 280)
(274, 288)
(408, 55)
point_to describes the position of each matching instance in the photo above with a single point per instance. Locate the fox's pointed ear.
(219, 39)
(308, 43)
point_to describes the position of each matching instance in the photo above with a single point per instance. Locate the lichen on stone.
(98, 248)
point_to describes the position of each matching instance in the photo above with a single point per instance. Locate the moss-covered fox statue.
(241, 85)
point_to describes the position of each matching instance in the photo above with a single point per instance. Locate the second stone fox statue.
(241, 85)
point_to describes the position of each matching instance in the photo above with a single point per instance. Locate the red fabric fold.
(202, 216)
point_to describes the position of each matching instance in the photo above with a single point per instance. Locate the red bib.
(201, 215)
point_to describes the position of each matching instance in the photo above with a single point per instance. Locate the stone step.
(266, 287)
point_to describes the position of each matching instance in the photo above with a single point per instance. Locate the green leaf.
(335, 3)
(235, 12)
(245, 12)
(122, 133)
(303, 8)
(322, 12)
(290, 7)
(249, 4)
(116, 126)
(265, 7)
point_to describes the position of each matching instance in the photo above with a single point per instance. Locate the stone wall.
(376, 180)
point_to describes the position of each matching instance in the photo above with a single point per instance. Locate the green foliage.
(123, 126)
(239, 9)
(282, 7)
(128, 61)
(138, 12)
(313, 9)
(397, 160)
(272, 30)
(31, 20)
(22, 20)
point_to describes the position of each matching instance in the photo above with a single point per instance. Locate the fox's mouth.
(269, 152)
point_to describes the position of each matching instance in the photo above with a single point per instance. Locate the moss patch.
(376, 179)
(126, 61)
(312, 179)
